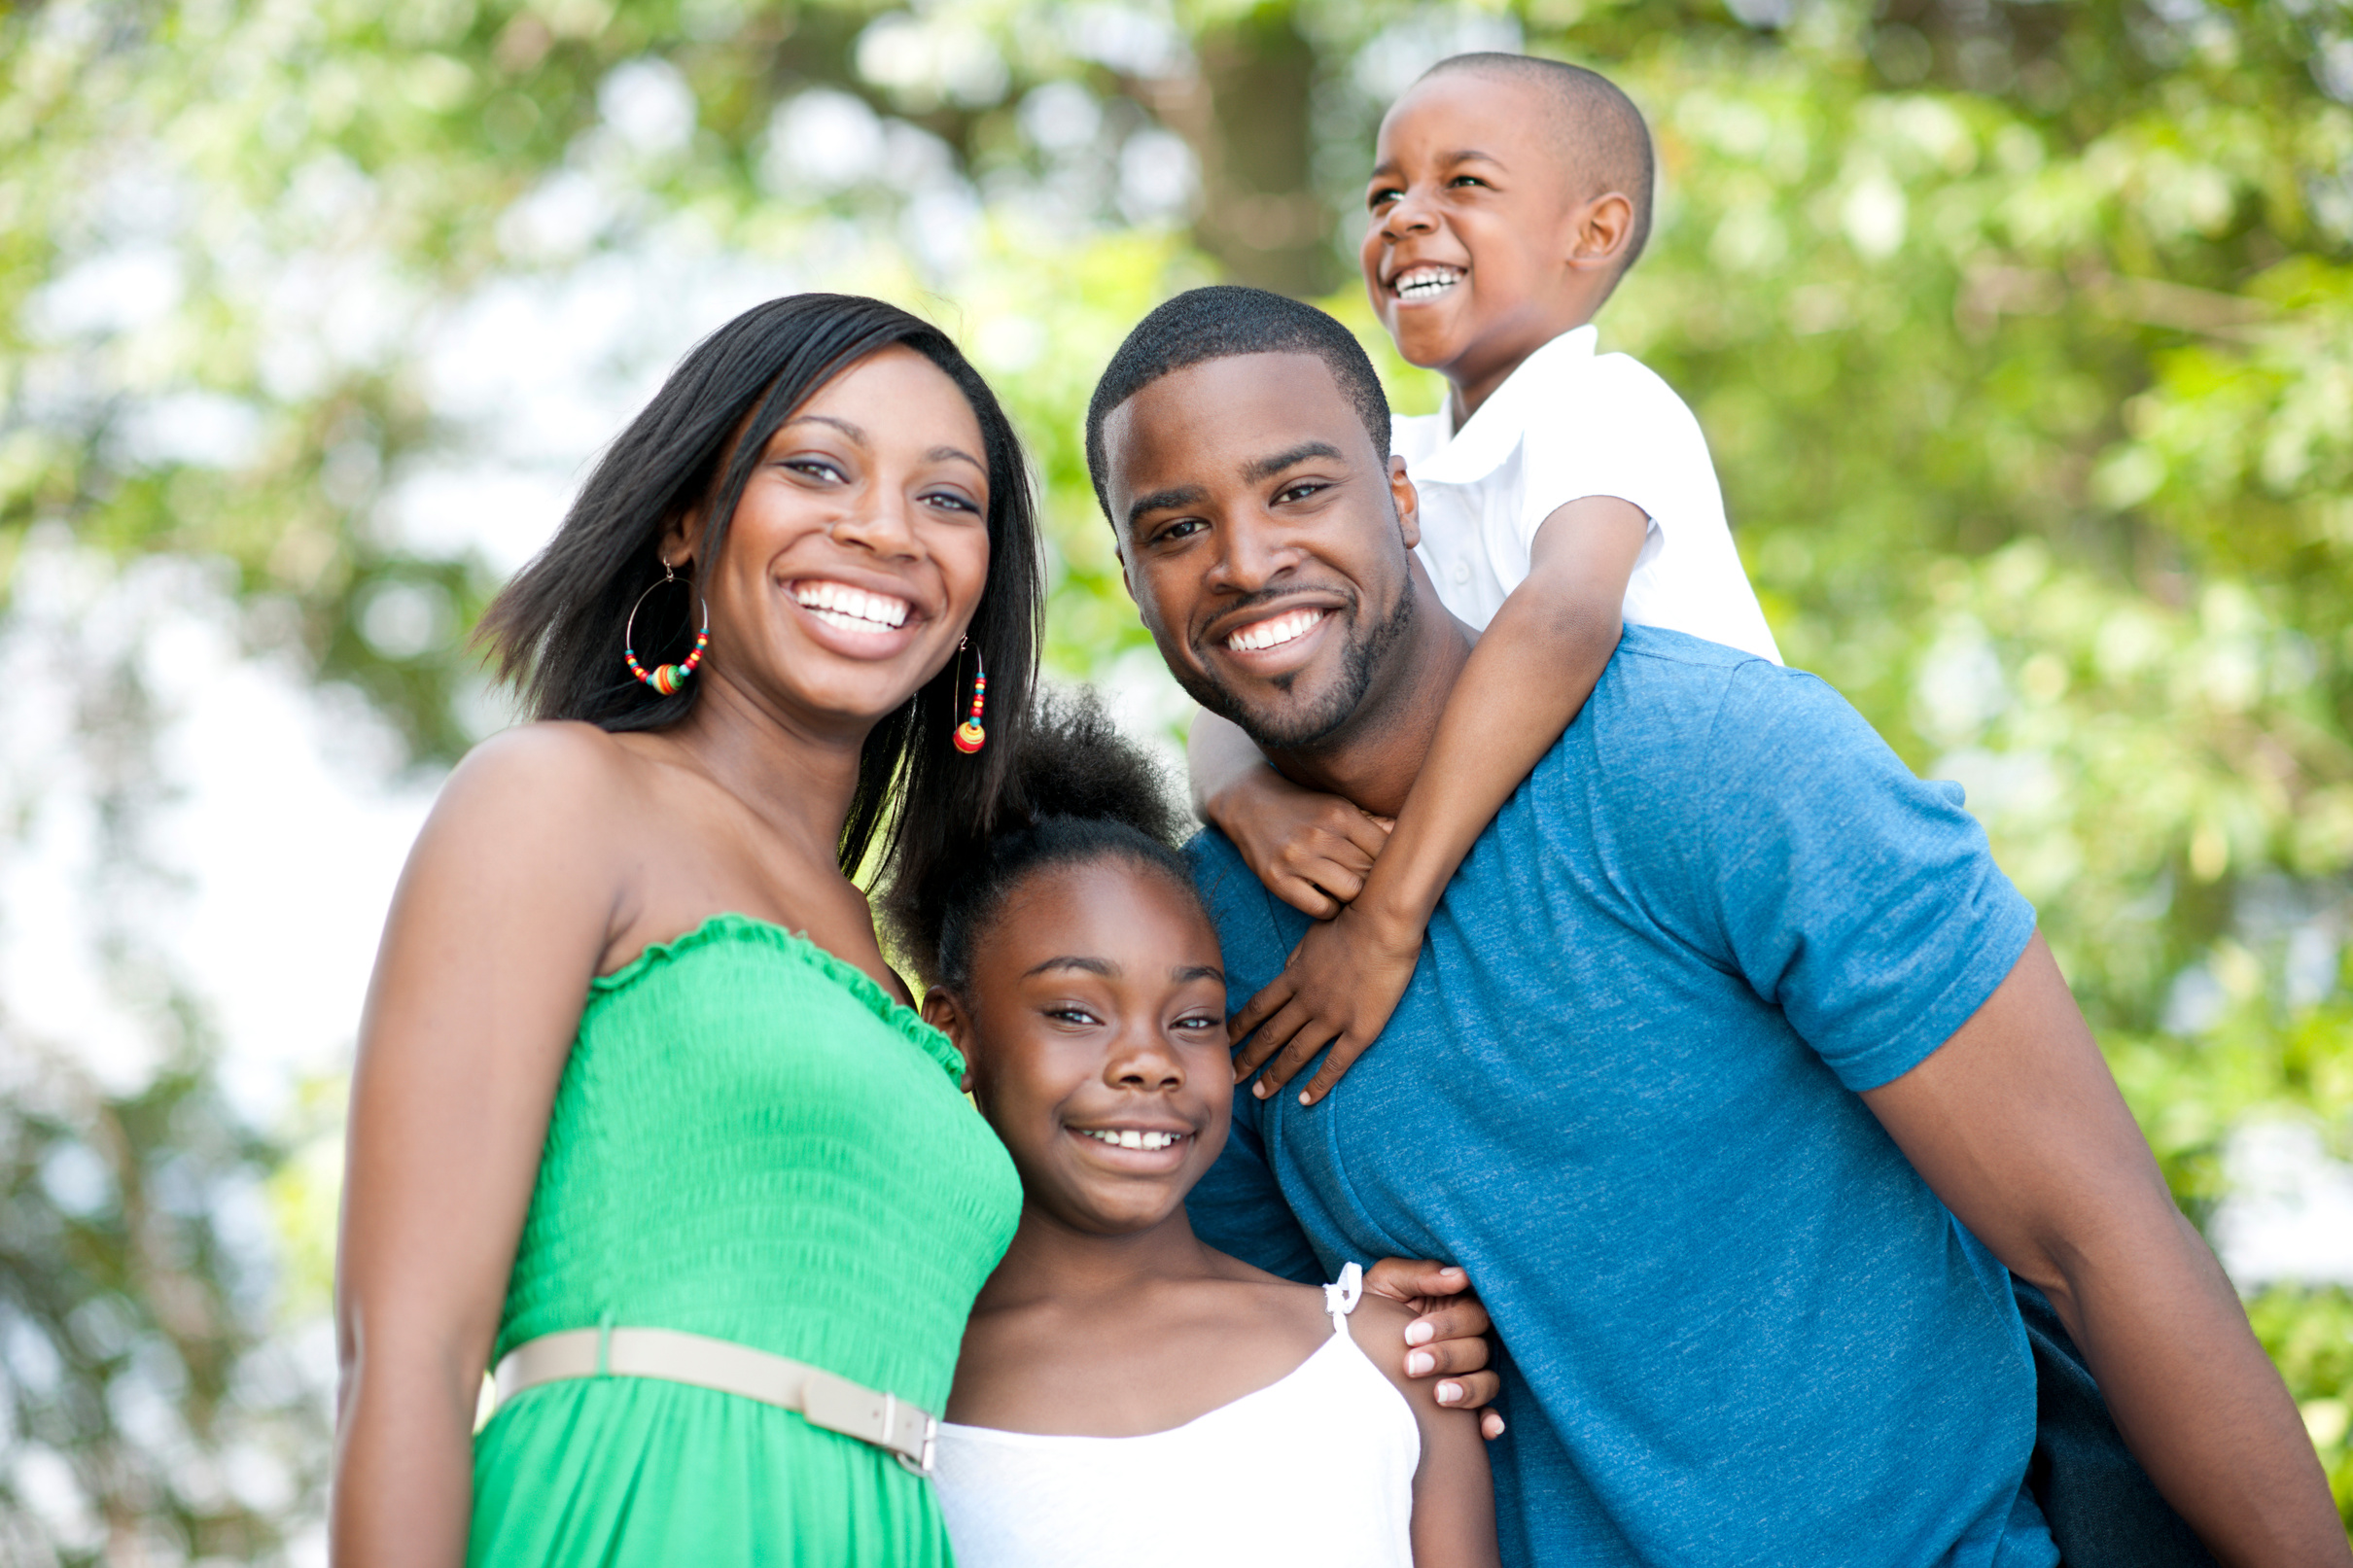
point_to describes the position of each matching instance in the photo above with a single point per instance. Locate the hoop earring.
(970, 737)
(664, 679)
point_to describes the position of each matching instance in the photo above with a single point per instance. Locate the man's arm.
(2018, 1125)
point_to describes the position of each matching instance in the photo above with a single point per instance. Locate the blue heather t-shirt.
(1621, 1091)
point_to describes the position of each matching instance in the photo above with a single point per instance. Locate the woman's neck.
(797, 778)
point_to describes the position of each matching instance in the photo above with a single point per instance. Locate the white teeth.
(1129, 1138)
(853, 609)
(1425, 282)
(1284, 628)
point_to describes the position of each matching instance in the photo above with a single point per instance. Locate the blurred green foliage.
(2022, 333)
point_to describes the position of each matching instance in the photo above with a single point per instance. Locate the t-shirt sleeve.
(1625, 434)
(1862, 901)
(1238, 1207)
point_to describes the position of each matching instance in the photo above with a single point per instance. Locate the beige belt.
(835, 1404)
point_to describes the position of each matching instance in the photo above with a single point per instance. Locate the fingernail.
(1420, 1362)
(1449, 1268)
(1260, 1089)
(1306, 1099)
(1419, 1332)
(1448, 1393)
(1495, 1426)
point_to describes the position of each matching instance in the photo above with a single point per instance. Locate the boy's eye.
(1382, 195)
(1465, 179)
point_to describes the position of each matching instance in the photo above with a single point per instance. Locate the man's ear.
(1598, 231)
(945, 1013)
(1406, 500)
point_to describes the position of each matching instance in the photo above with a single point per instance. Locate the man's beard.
(1289, 730)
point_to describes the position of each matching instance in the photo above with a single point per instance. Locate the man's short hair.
(1601, 136)
(1218, 323)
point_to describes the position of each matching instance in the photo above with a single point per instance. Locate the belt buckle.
(931, 1450)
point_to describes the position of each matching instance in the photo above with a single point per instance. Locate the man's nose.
(1253, 553)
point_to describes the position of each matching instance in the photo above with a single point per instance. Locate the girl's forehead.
(1111, 907)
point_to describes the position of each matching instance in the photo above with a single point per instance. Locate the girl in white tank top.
(1125, 1393)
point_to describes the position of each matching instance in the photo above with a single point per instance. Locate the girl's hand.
(1447, 1336)
(1312, 851)
(1338, 988)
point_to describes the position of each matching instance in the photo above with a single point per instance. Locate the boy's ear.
(1406, 500)
(1600, 230)
(944, 1013)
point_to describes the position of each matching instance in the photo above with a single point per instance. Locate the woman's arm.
(1529, 677)
(1454, 1491)
(500, 919)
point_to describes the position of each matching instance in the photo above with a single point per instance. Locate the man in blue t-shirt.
(1722, 1023)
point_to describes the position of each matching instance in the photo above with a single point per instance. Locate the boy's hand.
(1448, 1334)
(1338, 988)
(1311, 850)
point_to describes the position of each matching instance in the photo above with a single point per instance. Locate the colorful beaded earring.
(969, 736)
(664, 679)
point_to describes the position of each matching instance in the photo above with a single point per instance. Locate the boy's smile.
(1479, 250)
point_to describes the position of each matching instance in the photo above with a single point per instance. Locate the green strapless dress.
(754, 1142)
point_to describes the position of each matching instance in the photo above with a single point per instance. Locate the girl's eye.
(1200, 1021)
(1075, 1017)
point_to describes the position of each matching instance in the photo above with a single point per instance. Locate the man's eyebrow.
(1071, 961)
(1266, 468)
(1183, 494)
(1184, 974)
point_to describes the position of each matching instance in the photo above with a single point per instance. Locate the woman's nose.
(884, 524)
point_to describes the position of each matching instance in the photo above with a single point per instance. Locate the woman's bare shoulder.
(560, 767)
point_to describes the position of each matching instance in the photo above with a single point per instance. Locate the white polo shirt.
(1567, 424)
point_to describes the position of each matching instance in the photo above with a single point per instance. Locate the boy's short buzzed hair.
(1218, 323)
(1601, 132)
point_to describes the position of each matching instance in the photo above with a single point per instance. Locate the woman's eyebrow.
(844, 426)
(945, 454)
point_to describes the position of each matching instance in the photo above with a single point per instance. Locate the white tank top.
(1316, 1466)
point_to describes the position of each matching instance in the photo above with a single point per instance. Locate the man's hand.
(1338, 988)
(1448, 1334)
(1312, 851)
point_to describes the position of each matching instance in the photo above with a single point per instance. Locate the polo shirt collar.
(1476, 450)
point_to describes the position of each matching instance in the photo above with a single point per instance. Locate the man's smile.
(1275, 631)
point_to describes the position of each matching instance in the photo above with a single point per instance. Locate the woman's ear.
(944, 1013)
(683, 542)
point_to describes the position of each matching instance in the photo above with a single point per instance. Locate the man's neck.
(1373, 759)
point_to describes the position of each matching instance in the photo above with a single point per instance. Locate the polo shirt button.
(1462, 572)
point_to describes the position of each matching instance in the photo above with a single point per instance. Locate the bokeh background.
(2023, 333)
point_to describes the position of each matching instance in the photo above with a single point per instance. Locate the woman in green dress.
(641, 1117)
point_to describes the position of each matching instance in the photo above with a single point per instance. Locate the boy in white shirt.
(1562, 494)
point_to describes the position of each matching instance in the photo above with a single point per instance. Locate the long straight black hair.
(554, 633)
